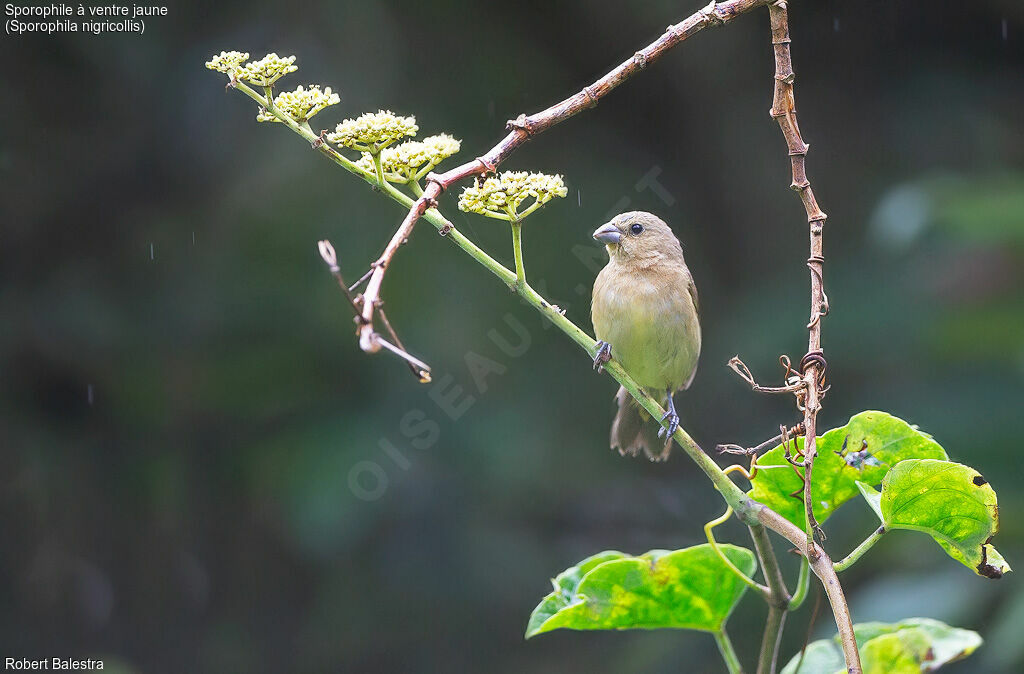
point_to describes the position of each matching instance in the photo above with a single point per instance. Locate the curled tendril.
(412, 159)
(501, 196)
(301, 104)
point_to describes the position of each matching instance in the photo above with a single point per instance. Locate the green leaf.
(908, 647)
(873, 497)
(952, 503)
(862, 450)
(565, 585)
(690, 588)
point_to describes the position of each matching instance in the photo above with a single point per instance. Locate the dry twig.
(524, 127)
(813, 364)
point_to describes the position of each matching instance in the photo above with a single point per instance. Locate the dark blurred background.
(200, 470)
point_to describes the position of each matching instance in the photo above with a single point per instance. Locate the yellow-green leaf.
(862, 450)
(690, 588)
(952, 503)
(910, 646)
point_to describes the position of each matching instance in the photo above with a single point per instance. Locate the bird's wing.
(692, 288)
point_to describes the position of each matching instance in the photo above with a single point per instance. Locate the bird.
(644, 310)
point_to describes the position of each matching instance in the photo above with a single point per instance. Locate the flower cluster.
(501, 195)
(412, 159)
(301, 104)
(227, 61)
(373, 131)
(267, 70)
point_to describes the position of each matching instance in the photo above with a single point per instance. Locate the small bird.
(644, 311)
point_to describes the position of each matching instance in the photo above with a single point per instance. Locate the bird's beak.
(607, 234)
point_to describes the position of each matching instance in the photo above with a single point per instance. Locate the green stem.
(770, 641)
(803, 582)
(770, 566)
(778, 600)
(732, 662)
(377, 168)
(517, 251)
(746, 508)
(858, 552)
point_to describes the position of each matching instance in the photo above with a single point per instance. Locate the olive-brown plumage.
(644, 311)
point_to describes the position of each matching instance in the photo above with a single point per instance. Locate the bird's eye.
(636, 228)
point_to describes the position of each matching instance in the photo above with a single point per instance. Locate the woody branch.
(813, 364)
(524, 127)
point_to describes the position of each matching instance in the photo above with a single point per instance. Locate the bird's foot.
(604, 354)
(667, 431)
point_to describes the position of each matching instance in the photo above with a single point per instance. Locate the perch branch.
(524, 127)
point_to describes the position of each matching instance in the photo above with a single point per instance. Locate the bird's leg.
(673, 420)
(604, 354)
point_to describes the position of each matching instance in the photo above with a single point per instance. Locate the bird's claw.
(673, 425)
(604, 354)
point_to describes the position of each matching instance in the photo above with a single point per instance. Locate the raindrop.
(1005, 29)
(151, 252)
(579, 198)
(88, 394)
(835, 24)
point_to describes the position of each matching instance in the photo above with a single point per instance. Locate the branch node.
(591, 96)
(521, 123)
(488, 167)
(710, 16)
(640, 59)
(434, 178)
(445, 229)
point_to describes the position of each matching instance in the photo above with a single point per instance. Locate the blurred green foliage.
(182, 403)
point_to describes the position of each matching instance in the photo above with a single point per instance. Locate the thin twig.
(361, 281)
(770, 443)
(793, 384)
(416, 366)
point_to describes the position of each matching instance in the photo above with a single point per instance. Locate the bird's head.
(639, 237)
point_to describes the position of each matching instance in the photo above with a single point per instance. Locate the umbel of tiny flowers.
(300, 104)
(413, 159)
(267, 70)
(373, 131)
(227, 62)
(501, 196)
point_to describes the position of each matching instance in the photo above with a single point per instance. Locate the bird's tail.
(633, 429)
